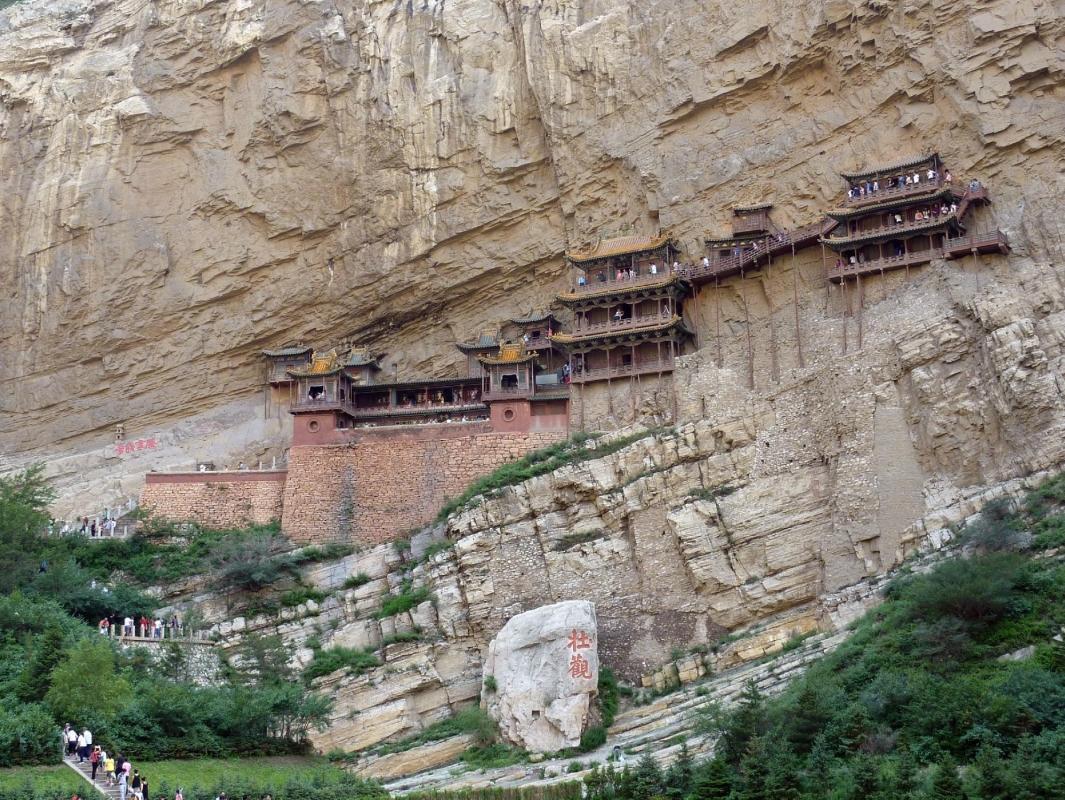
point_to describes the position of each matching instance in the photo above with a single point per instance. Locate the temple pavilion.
(905, 214)
(626, 302)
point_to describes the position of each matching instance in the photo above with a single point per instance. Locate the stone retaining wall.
(216, 499)
(386, 482)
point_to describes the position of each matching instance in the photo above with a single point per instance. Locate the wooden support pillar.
(861, 302)
(750, 339)
(717, 306)
(846, 310)
(774, 366)
(795, 300)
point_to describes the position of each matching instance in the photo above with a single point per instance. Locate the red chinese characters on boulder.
(123, 448)
(578, 664)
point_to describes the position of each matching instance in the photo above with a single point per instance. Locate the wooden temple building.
(627, 315)
(905, 214)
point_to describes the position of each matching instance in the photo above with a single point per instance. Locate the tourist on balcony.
(706, 262)
(601, 277)
(653, 269)
(931, 175)
(944, 210)
(909, 180)
(953, 208)
(618, 315)
(917, 177)
(581, 280)
(898, 219)
(632, 273)
(947, 177)
(620, 275)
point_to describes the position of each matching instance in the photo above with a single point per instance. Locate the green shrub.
(401, 637)
(355, 660)
(490, 684)
(355, 581)
(407, 599)
(574, 766)
(592, 738)
(300, 595)
(607, 696)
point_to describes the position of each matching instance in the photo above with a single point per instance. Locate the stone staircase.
(85, 771)
(659, 727)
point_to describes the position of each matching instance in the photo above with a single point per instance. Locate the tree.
(48, 651)
(711, 780)
(646, 777)
(24, 499)
(678, 777)
(86, 685)
(988, 775)
(745, 723)
(808, 718)
(946, 785)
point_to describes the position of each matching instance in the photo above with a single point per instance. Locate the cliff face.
(186, 183)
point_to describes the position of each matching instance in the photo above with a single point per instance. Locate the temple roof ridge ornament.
(745, 209)
(509, 353)
(322, 363)
(360, 356)
(884, 169)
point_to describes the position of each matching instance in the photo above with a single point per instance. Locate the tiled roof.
(282, 352)
(361, 357)
(509, 353)
(758, 207)
(488, 339)
(623, 245)
(870, 172)
(889, 205)
(321, 364)
(884, 234)
(532, 318)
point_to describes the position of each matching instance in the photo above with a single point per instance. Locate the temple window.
(316, 393)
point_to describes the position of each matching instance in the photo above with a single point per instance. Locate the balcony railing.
(980, 241)
(612, 281)
(885, 194)
(622, 370)
(884, 264)
(888, 230)
(774, 244)
(612, 324)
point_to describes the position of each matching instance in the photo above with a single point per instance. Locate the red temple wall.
(218, 499)
(385, 482)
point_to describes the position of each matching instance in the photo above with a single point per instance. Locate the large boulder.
(541, 674)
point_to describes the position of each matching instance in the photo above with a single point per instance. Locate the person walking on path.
(72, 740)
(81, 748)
(109, 770)
(123, 785)
(94, 760)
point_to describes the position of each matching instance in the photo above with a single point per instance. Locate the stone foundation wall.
(216, 500)
(388, 481)
(609, 405)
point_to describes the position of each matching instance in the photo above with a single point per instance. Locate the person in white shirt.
(706, 261)
(81, 748)
(654, 269)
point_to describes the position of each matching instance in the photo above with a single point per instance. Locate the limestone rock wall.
(188, 183)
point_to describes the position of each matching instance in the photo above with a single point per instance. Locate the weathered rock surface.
(186, 183)
(545, 668)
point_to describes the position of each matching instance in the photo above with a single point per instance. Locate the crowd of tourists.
(108, 770)
(896, 182)
(144, 627)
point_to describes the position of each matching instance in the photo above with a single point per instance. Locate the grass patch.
(355, 660)
(407, 599)
(402, 637)
(708, 493)
(40, 780)
(435, 548)
(330, 552)
(493, 756)
(300, 595)
(355, 581)
(540, 462)
(470, 720)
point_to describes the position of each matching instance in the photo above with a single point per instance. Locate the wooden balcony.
(888, 231)
(753, 223)
(776, 244)
(622, 325)
(509, 393)
(622, 370)
(884, 195)
(624, 284)
(369, 412)
(992, 241)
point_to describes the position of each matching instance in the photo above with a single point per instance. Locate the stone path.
(85, 771)
(658, 727)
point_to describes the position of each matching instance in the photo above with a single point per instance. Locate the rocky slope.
(187, 183)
